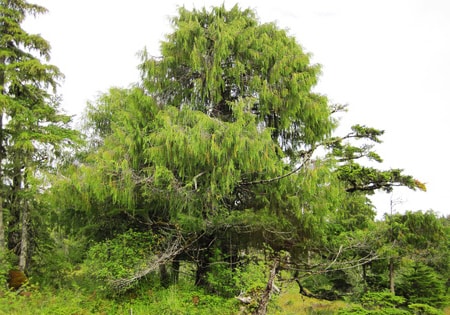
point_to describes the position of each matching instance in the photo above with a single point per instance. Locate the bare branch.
(174, 248)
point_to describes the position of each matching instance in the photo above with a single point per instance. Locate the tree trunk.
(262, 307)
(201, 272)
(164, 277)
(364, 276)
(24, 242)
(15, 209)
(2, 224)
(204, 255)
(391, 276)
(175, 270)
(364, 272)
(2, 230)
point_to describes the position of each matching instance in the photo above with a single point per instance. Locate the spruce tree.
(32, 128)
(421, 284)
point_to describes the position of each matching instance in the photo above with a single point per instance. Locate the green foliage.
(57, 302)
(421, 284)
(8, 260)
(219, 137)
(34, 134)
(57, 258)
(209, 156)
(248, 276)
(404, 239)
(360, 177)
(424, 229)
(182, 299)
(251, 277)
(214, 145)
(354, 310)
(387, 303)
(361, 311)
(119, 257)
(216, 57)
(369, 179)
(378, 303)
(221, 275)
(424, 309)
(381, 300)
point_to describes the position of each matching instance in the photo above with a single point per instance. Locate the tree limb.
(306, 155)
(176, 247)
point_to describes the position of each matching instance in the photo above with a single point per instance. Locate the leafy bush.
(7, 261)
(249, 277)
(120, 257)
(221, 276)
(55, 259)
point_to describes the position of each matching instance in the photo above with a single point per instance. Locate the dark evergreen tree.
(420, 284)
(32, 129)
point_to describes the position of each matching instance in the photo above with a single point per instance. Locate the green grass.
(175, 300)
(290, 302)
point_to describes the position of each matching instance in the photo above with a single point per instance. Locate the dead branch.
(262, 307)
(173, 249)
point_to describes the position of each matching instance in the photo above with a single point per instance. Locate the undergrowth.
(178, 299)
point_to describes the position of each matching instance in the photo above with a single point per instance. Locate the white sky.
(389, 60)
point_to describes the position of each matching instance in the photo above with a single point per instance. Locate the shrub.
(7, 261)
(424, 309)
(119, 257)
(384, 299)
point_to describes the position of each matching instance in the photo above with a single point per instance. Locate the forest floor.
(168, 301)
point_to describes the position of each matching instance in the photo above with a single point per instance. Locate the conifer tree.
(421, 284)
(213, 58)
(216, 142)
(32, 128)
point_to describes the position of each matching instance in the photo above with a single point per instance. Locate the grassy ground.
(291, 302)
(170, 301)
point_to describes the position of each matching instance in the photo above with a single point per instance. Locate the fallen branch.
(303, 290)
(176, 247)
(262, 307)
(244, 299)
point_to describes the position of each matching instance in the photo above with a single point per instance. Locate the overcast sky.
(389, 60)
